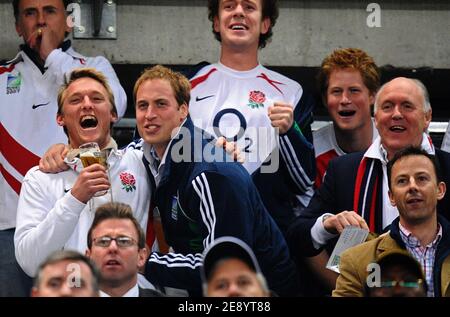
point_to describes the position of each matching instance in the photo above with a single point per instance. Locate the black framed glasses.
(121, 241)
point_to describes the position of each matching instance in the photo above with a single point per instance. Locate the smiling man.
(56, 210)
(198, 192)
(242, 100)
(415, 187)
(348, 81)
(355, 188)
(28, 89)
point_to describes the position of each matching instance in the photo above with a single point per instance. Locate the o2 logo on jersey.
(240, 133)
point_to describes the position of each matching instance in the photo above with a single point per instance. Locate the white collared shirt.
(377, 151)
(157, 166)
(320, 235)
(132, 292)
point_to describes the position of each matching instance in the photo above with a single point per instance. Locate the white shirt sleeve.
(319, 234)
(44, 224)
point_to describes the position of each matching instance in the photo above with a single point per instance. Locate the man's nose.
(41, 18)
(65, 290)
(345, 98)
(413, 187)
(150, 113)
(87, 103)
(396, 113)
(234, 290)
(239, 10)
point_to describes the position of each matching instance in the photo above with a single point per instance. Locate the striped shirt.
(424, 255)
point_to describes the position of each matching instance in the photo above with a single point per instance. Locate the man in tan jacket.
(414, 188)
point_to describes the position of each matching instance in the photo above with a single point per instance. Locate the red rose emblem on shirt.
(128, 181)
(256, 99)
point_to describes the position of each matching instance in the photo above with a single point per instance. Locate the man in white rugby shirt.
(56, 210)
(242, 100)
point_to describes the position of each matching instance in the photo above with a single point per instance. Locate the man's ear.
(428, 116)
(442, 188)
(184, 110)
(391, 198)
(60, 120)
(216, 24)
(68, 24)
(113, 117)
(142, 257)
(87, 253)
(265, 25)
(19, 30)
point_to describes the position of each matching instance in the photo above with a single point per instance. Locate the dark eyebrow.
(50, 7)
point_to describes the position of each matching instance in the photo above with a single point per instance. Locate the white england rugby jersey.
(235, 104)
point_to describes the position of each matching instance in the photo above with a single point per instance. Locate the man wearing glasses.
(401, 276)
(415, 187)
(116, 243)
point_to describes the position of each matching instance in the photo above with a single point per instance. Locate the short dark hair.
(116, 211)
(409, 151)
(69, 255)
(269, 10)
(15, 4)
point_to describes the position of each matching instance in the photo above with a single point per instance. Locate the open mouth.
(238, 27)
(151, 128)
(88, 122)
(414, 201)
(397, 129)
(112, 263)
(346, 113)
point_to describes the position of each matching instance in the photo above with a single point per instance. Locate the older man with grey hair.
(355, 188)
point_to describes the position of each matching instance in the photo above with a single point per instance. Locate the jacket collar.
(394, 232)
(188, 145)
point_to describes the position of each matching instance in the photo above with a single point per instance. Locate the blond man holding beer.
(55, 211)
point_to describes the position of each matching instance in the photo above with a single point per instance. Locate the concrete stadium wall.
(412, 33)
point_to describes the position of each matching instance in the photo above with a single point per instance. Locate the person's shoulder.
(230, 172)
(87, 60)
(8, 66)
(273, 75)
(196, 70)
(365, 250)
(33, 171)
(323, 134)
(348, 159)
(146, 292)
(41, 178)
(443, 155)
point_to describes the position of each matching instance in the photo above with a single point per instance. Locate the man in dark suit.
(355, 189)
(120, 261)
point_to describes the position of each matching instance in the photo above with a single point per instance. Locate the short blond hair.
(79, 73)
(179, 83)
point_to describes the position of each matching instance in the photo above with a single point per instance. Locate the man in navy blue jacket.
(354, 191)
(199, 192)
